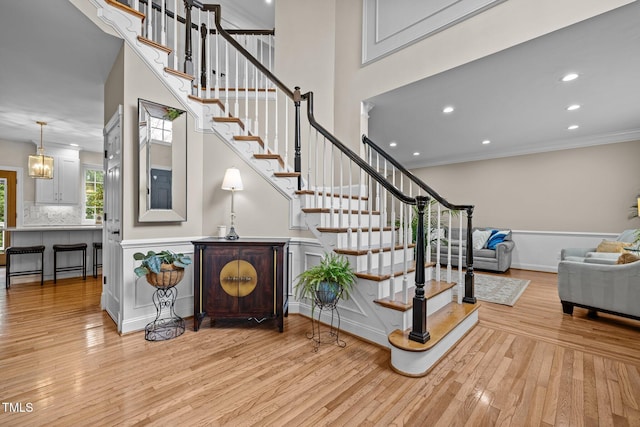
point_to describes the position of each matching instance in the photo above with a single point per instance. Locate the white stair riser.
(359, 262)
(341, 240)
(312, 201)
(341, 220)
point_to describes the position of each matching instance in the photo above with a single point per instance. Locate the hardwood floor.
(63, 362)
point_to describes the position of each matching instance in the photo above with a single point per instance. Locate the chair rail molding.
(389, 26)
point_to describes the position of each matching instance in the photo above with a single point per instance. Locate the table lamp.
(232, 182)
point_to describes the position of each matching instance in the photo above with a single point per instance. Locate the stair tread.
(286, 174)
(229, 119)
(431, 289)
(439, 324)
(374, 249)
(249, 138)
(126, 8)
(328, 210)
(387, 272)
(155, 45)
(178, 73)
(346, 229)
(207, 100)
(322, 193)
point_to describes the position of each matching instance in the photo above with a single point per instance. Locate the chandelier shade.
(40, 166)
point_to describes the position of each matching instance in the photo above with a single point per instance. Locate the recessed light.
(573, 107)
(573, 127)
(393, 144)
(486, 141)
(448, 109)
(416, 154)
(74, 145)
(569, 77)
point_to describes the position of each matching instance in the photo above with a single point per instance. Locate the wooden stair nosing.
(249, 138)
(126, 8)
(439, 324)
(155, 45)
(286, 174)
(270, 156)
(207, 101)
(346, 229)
(375, 250)
(178, 73)
(323, 193)
(386, 273)
(344, 211)
(431, 289)
(229, 120)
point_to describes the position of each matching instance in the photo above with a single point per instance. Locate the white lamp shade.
(232, 180)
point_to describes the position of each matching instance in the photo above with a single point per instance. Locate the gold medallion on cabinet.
(238, 278)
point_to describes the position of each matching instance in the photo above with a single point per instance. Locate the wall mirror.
(162, 163)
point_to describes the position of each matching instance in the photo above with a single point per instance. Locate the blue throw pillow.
(496, 238)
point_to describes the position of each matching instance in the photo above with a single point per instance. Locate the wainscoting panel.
(388, 26)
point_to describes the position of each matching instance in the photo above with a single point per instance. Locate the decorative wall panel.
(389, 25)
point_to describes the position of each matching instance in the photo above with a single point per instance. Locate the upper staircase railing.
(376, 203)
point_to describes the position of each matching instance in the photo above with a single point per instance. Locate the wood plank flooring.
(63, 364)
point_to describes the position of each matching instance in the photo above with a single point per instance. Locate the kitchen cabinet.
(64, 188)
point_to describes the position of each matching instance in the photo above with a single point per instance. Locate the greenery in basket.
(151, 261)
(334, 269)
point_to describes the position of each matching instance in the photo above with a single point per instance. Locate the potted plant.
(326, 282)
(163, 269)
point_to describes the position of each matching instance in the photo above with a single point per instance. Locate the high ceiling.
(517, 101)
(513, 98)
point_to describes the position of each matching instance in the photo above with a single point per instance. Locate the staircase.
(370, 209)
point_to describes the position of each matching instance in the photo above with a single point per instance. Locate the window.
(93, 192)
(161, 130)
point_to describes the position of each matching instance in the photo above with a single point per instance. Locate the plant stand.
(170, 325)
(332, 335)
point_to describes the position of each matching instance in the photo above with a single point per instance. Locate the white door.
(111, 237)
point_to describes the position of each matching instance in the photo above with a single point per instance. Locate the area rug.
(499, 290)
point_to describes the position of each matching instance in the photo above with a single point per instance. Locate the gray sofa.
(498, 259)
(594, 281)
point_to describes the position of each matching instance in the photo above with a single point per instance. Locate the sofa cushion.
(484, 253)
(612, 246)
(480, 238)
(607, 258)
(497, 237)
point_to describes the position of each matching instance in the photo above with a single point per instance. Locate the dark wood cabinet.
(245, 278)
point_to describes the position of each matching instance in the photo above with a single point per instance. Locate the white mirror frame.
(178, 210)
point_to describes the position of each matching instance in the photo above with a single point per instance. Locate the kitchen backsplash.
(51, 215)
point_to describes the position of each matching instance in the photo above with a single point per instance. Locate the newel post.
(468, 277)
(419, 331)
(188, 60)
(297, 159)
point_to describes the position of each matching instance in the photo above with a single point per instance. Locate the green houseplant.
(162, 269)
(326, 282)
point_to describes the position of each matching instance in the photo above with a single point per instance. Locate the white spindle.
(174, 53)
(236, 110)
(266, 114)
(286, 135)
(216, 37)
(256, 128)
(226, 77)
(149, 18)
(276, 149)
(163, 24)
(331, 188)
(341, 193)
(324, 157)
(438, 219)
(247, 123)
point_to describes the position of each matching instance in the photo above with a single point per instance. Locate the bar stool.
(70, 248)
(97, 246)
(22, 250)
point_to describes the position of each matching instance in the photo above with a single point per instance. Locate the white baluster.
(163, 24)
(256, 128)
(331, 186)
(226, 78)
(439, 212)
(460, 277)
(236, 110)
(175, 34)
(149, 18)
(247, 122)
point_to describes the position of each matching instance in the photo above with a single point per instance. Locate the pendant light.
(41, 166)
